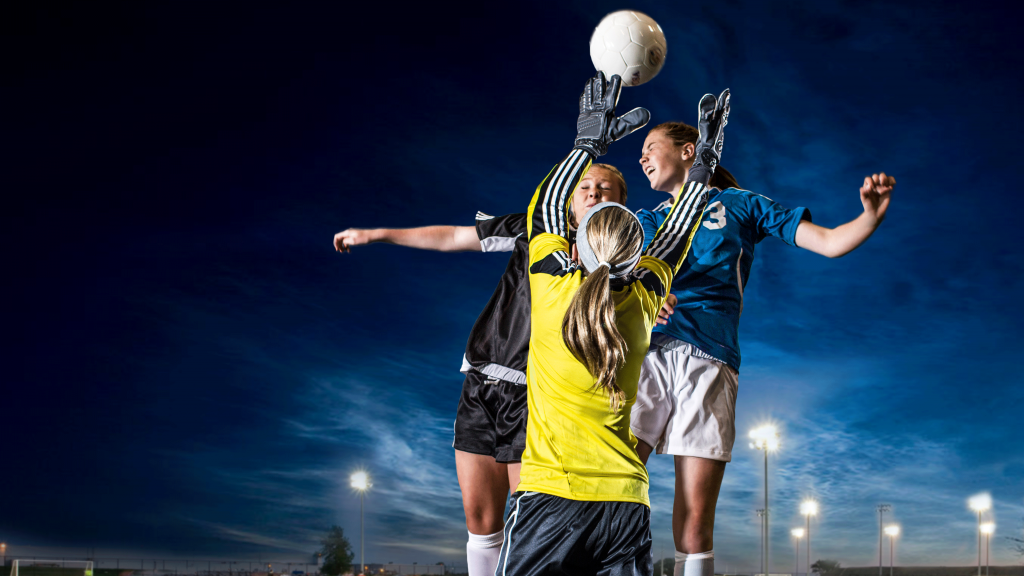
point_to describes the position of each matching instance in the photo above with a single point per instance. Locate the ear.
(688, 151)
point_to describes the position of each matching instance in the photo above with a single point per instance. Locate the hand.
(667, 309)
(597, 126)
(346, 239)
(875, 195)
(712, 116)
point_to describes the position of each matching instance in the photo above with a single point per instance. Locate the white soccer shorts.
(686, 403)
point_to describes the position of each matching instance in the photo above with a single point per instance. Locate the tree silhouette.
(1018, 545)
(826, 568)
(337, 553)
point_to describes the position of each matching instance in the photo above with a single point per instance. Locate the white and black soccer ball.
(630, 44)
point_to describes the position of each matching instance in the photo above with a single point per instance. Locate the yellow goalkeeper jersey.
(576, 446)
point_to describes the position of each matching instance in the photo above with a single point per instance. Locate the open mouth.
(649, 170)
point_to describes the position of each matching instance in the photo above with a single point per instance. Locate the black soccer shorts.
(491, 419)
(547, 535)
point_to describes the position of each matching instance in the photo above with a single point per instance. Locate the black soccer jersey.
(500, 340)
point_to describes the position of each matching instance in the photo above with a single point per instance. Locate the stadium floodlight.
(882, 509)
(3, 551)
(988, 528)
(809, 508)
(979, 503)
(360, 480)
(797, 533)
(892, 530)
(766, 438)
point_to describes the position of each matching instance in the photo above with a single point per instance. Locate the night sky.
(191, 369)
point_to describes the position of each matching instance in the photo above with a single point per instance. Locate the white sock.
(680, 563)
(482, 553)
(699, 564)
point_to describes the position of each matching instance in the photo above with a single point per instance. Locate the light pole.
(797, 533)
(893, 531)
(765, 438)
(761, 513)
(809, 508)
(979, 504)
(882, 509)
(3, 550)
(987, 529)
(361, 482)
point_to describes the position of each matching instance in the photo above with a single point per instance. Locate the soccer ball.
(630, 44)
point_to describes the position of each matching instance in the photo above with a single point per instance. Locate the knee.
(483, 520)
(697, 535)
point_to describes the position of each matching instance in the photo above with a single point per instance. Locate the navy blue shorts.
(548, 535)
(492, 418)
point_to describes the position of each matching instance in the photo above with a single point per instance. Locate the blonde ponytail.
(588, 328)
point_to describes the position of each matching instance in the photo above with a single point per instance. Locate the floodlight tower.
(979, 504)
(797, 533)
(987, 529)
(882, 509)
(892, 530)
(761, 514)
(361, 483)
(765, 438)
(3, 550)
(809, 508)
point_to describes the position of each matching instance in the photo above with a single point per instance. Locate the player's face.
(662, 162)
(598, 185)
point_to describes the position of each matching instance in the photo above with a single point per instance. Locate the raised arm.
(673, 238)
(549, 208)
(843, 239)
(672, 241)
(596, 128)
(439, 238)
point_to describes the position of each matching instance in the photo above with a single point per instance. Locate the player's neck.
(676, 187)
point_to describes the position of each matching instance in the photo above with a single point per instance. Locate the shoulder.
(509, 224)
(738, 195)
(658, 211)
(484, 217)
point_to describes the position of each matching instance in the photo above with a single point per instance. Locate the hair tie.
(588, 259)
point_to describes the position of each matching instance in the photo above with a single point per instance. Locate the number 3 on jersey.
(716, 216)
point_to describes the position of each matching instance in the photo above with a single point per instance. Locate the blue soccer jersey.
(710, 284)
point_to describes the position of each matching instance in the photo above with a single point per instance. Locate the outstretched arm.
(596, 128)
(439, 238)
(843, 239)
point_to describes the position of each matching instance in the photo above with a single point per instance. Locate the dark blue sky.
(193, 370)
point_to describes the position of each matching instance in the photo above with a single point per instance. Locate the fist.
(346, 239)
(875, 194)
(667, 309)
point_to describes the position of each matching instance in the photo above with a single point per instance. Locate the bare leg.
(643, 450)
(698, 481)
(513, 476)
(484, 484)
